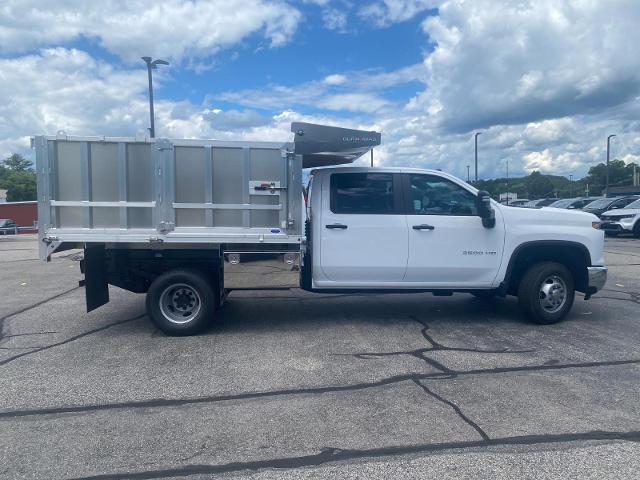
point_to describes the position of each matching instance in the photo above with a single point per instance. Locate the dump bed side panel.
(128, 190)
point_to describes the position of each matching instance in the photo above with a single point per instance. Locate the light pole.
(152, 65)
(507, 181)
(476, 152)
(468, 173)
(570, 186)
(606, 187)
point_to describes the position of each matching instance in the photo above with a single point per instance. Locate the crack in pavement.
(455, 408)
(176, 402)
(331, 455)
(25, 309)
(419, 353)
(70, 339)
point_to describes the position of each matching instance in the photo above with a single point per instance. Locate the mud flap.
(94, 267)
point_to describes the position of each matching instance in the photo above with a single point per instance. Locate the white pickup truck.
(186, 222)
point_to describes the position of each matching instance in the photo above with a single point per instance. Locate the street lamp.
(476, 156)
(570, 185)
(606, 187)
(468, 173)
(152, 65)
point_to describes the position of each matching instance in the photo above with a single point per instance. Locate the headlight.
(622, 217)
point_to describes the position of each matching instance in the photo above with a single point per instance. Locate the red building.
(24, 214)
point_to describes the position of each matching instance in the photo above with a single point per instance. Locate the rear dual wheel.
(181, 302)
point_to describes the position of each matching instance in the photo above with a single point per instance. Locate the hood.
(622, 211)
(547, 216)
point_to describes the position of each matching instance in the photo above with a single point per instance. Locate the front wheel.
(636, 229)
(546, 292)
(181, 302)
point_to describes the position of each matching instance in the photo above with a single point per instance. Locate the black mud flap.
(95, 276)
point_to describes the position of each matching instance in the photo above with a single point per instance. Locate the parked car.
(541, 202)
(519, 202)
(598, 207)
(622, 220)
(573, 203)
(8, 226)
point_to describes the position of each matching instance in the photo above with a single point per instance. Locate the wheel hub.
(180, 303)
(552, 294)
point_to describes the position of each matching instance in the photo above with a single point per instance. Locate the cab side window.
(362, 193)
(433, 195)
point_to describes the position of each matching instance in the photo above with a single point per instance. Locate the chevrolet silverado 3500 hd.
(187, 221)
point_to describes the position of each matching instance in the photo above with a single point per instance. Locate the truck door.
(448, 246)
(363, 230)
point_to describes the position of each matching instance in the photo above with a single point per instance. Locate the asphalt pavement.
(293, 385)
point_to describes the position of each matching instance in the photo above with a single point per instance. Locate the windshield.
(562, 203)
(635, 204)
(600, 203)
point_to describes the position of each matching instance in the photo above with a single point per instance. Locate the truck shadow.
(294, 310)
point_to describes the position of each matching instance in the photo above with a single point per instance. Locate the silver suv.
(623, 220)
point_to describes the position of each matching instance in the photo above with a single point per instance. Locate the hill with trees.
(538, 185)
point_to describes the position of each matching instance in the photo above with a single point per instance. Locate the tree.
(17, 163)
(17, 177)
(538, 185)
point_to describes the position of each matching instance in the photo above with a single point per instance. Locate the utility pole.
(476, 152)
(152, 65)
(606, 187)
(469, 178)
(372, 158)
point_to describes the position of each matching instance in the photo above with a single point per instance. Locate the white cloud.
(387, 12)
(173, 29)
(335, 79)
(59, 89)
(353, 102)
(527, 61)
(334, 19)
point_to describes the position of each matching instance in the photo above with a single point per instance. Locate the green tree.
(17, 163)
(538, 185)
(17, 177)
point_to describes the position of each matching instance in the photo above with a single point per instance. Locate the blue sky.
(544, 80)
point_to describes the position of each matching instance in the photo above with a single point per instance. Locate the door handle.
(336, 226)
(424, 227)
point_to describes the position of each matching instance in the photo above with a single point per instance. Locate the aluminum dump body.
(131, 190)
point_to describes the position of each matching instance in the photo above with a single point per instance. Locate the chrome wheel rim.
(180, 303)
(552, 294)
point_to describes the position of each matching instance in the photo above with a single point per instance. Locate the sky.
(545, 81)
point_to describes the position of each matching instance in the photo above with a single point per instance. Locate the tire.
(181, 302)
(636, 229)
(537, 283)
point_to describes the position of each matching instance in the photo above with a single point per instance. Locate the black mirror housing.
(485, 210)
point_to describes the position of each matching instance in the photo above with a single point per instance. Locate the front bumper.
(597, 277)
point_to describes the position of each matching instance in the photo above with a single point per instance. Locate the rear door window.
(364, 194)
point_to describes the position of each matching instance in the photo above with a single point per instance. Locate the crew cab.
(188, 221)
(622, 220)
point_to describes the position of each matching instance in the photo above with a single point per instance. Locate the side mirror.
(485, 210)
